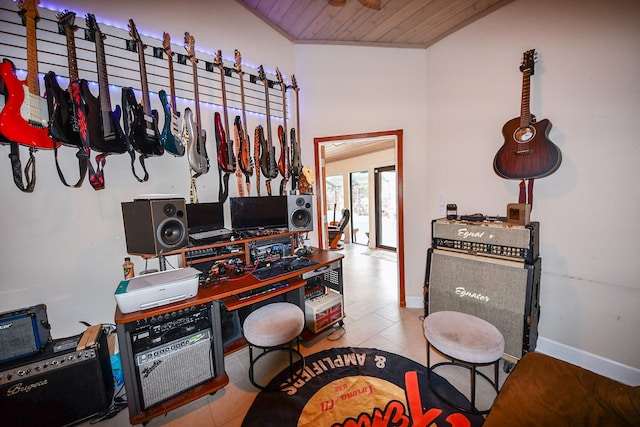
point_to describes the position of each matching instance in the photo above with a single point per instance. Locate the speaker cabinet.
(56, 387)
(503, 292)
(23, 332)
(154, 226)
(299, 212)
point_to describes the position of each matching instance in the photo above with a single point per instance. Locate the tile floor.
(373, 319)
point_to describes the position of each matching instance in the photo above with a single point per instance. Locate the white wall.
(586, 84)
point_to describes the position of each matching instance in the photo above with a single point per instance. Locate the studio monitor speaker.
(299, 212)
(155, 226)
(504, 293)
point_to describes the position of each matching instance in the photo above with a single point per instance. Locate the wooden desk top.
(233, 286)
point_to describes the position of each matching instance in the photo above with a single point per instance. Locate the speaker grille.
(175, 367)
(502, 292)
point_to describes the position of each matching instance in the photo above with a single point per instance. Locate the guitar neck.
(224, 99)
(525, 112)
(244, 111)
(146, 100)
(172, 84)
(32, 58)
(71, 53)
(103, 77)
(268, 110)
(196, 94)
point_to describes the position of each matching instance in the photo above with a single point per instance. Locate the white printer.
(156, 289)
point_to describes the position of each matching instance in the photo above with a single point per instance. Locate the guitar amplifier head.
(23, 332)
(489, 238)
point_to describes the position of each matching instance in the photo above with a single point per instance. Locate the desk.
(204, 308)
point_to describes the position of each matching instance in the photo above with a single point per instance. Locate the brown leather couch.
(544, 391)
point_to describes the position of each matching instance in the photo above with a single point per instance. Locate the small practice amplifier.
(323, 311)
(58, 387)
(23, 332)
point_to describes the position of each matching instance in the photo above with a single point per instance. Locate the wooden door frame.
(323, 239)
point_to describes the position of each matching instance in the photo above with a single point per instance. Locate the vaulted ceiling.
(398, 23)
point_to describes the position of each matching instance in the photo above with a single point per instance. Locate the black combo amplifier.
(59, 386)
(488, 238)
(23, 332)
(165, 355)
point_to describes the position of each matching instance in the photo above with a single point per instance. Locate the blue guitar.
(170, 136)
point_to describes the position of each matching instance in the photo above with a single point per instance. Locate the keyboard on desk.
(282, 267)
(262, 290)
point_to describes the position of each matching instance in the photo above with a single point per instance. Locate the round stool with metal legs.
(467, 341)
(272, 327)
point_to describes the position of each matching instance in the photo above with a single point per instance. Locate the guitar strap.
(526, 192)
(82, 166)
(29, 170)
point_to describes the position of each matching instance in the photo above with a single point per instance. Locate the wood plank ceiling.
(398, 23)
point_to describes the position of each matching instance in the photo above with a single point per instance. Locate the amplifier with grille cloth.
(23, 332)
(59, 386)
(503, 292)
(167, 354)
(488, 238)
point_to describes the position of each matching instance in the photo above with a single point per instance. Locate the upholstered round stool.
(467, 341)
(272, 327)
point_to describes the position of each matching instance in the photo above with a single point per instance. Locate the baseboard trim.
(598, 364)
(414, 302)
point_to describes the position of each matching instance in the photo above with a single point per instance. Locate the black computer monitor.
(248, 213)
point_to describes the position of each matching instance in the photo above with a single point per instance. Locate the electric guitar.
(296, 161)
(141, 122)
(63, 123)
(171, 136)
(268, 162)
(283, 161)
(63, 126)
(244, 160)
(103, 123)
(194, 135)
(23, 119)
(527, 153)
(226, 158)
(258, 143)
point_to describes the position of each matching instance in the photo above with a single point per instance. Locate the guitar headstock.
(261, 75)
(528, 61)
(67, 19)
(190, 46)
(133, 32)
(166, 44)
(294, 83)
(93, 28)
(217, 60)
(279, 77)
(29, 10)
(238, 64)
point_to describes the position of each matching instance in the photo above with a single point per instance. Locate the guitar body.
(170, 137)
(527, 152)
(112, 140)
(196, 150)
(296, 163)
(19, 120)
(268, 163)
(226, 160)
(143, 129)
(63, 126)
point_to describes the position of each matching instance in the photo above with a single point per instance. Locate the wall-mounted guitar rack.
(123, 67)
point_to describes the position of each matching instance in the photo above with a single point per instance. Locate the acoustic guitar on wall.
(527, 152)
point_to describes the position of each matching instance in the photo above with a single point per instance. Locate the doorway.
(359, 195)
(322, 209)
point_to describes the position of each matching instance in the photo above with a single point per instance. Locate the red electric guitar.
(24, 117)
(527, 152)
(243, 156)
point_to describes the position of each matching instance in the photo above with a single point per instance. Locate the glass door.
(386, 213)
(360, 207)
